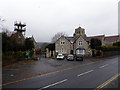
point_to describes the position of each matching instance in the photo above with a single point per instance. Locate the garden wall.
(110, 53)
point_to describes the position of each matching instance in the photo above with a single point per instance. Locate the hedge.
(108, 48)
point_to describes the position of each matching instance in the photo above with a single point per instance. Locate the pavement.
(53, 73)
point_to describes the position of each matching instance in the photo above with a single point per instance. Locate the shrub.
(108, 48)
(94, 43)
(116, 44)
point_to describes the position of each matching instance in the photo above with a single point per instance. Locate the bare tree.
(1, 24)
(58, 35)
(3, 28)
(8, 32)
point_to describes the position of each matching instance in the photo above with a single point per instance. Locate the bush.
(31, 53)
(98, 53)
(94, 43)
(10, 44)
(108, 48)
(29, 45)
(116, 44)
(20, 54)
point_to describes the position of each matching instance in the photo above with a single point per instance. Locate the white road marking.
(114, 62)
(103, 66)
(54, 84)
(85, 73)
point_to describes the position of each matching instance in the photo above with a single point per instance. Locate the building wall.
(84, 45)
(103, 41)
(68, 46)
(59, 46)
(110, 41)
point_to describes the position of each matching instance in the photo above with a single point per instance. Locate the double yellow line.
(107, 82)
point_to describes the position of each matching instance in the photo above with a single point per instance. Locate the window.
(62, 42)
(63, 50)
(80, 43)
(80, 52)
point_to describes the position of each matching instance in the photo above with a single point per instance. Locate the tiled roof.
(70, 38)
(86, 38)
(96, 37)
(75, 38)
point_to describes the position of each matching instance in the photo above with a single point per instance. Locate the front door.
(71, 52)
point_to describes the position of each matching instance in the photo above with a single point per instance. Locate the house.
(79, 43)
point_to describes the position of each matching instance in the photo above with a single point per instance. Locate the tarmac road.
(86, 75)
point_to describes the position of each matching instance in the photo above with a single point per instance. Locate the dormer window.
(62, 42)
(80, 43)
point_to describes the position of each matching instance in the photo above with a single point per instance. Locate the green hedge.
(108, 48)
(18, 54)
(116, 44)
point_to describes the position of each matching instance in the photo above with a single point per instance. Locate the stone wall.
(66, 46)
(85, 46)
(111, 53)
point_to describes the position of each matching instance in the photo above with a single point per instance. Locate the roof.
(86, 38)
(71, 38)
(75, 38)
(96, 37)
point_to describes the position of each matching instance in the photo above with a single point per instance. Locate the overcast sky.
(44, 18)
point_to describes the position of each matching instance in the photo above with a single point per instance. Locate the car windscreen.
(59, 55)
(70, 55)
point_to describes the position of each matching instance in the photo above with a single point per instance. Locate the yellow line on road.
(46, 74)
(107, 82)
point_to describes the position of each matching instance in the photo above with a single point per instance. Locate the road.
(87, 75)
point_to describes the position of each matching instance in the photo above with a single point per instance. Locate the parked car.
(79, 57)
(70, 57)
(60, 56)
